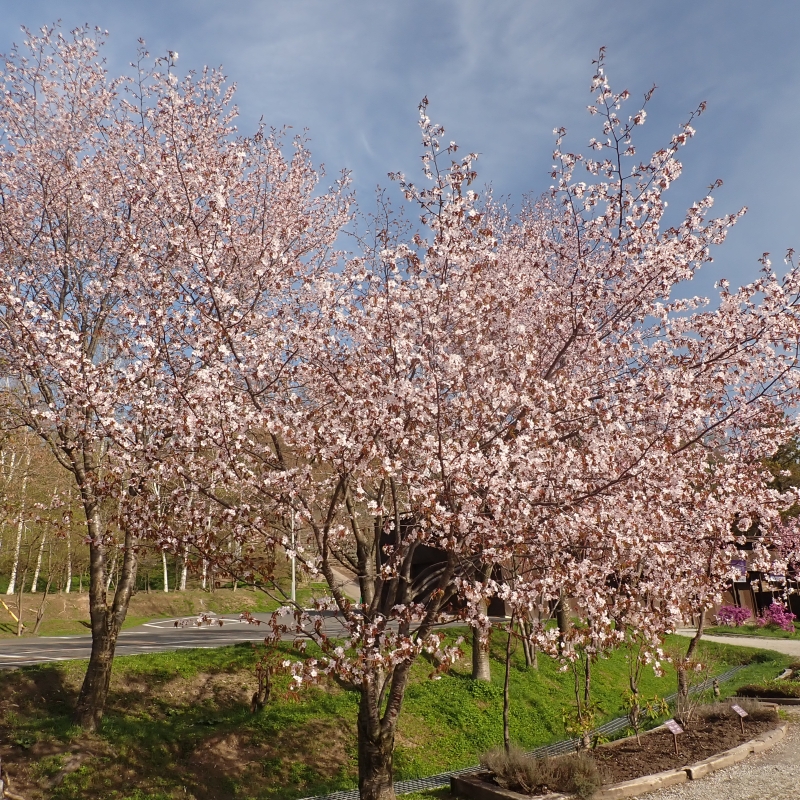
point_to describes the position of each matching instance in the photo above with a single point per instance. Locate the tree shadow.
(37, 703)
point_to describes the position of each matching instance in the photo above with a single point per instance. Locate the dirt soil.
(627, 759)
(702, 739)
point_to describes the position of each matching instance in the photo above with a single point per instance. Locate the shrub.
(777, 616)
(733, 615)
(713, 712)
(575, 774)
(770, 689)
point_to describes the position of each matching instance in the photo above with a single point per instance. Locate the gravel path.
(772, 775)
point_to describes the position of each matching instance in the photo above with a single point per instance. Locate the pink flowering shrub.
(732, 615)
(777, 616)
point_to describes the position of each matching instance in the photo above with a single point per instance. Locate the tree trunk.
(375, 756)
(68, 584)
(528, 648)
(683, 681)
(481, 665)
(506, 696)
(106, 622)
(166, 571)
(108, 572)
(587, 697)
(184, 568)
(94, 691)
(38, 564)
(20, 528)
(20, 626)
(40, 612)
(562, 616)
(18, 547)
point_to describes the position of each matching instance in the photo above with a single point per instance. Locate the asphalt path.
(158, 636)
(162, 636)
(790, 647)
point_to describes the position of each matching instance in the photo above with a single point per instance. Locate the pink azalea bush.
(733, 616)
(778, 616)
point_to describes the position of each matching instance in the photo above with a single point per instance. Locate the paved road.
(161, 636)
(790, 647)
(153, 637)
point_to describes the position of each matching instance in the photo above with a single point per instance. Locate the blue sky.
(500, 75)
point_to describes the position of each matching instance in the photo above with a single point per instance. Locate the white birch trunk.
(205, 572)
(184, 568)
(38, 563)
(111, 568)
(69, 565)
(166, 572)
(20, 527)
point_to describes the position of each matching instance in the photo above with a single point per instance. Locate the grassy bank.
(178, 725)
(68, 614)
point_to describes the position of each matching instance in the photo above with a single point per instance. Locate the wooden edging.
(471, 785)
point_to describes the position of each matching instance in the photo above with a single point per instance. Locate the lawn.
(178, 725)
(771, 632)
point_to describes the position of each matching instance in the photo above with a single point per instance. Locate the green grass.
(181, 719)
(754, 630)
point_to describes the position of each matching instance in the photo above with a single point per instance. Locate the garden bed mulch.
(628, 759)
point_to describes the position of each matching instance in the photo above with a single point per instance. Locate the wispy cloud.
(500, 76)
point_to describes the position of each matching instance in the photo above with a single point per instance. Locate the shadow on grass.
(174, 723)
(37, 704)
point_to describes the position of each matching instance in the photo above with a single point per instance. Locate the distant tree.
(130, 214)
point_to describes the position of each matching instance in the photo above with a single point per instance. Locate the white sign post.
(674, 729)
(741, 712)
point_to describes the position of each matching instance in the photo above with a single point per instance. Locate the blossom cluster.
(776, 615)
(733, 615)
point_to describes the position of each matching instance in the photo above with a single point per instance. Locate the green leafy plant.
(641, 710)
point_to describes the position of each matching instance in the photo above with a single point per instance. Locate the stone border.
(471, 786)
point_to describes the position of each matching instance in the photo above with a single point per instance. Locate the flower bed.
(630, 767)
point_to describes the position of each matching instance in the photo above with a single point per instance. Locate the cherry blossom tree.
(489, 388)
(117, 199)
(75, 347)
(477, 389)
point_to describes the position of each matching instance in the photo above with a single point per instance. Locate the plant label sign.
(741, 712)
(674, 729)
